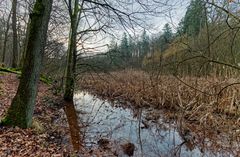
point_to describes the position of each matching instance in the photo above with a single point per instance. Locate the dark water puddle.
(101, 120)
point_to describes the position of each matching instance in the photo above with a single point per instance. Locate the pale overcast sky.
(170, 11)
(154, 23)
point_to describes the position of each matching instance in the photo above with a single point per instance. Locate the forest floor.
(49, 135)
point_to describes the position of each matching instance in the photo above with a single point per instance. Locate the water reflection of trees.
(210, 142)
(175, 137)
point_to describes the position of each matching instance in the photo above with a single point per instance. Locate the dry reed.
(210, 102)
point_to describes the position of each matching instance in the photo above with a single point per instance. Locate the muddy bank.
(113, 126)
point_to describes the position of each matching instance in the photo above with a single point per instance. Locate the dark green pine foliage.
(114, 55)
(194, 18)
(166, 38)
(145, 44)
(124, 49)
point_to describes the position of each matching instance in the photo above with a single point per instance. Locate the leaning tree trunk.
(21, 110)
(15, 36)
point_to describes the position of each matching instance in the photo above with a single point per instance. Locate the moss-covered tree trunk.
(72, 54)
(21, 110)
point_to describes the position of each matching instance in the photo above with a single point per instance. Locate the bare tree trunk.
(24, 49)
(6, 38)
(21, 110)
(15, 36)
(71, 67)
(72, 53)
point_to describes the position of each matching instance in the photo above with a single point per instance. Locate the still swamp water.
(110, 125)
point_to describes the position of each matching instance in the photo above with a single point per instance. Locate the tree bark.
(23, 54)
(15, 36)
(21, 110)
(72, 54)
(70, 71)
(6, 38)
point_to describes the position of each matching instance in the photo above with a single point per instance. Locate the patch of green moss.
(38, 7)
(10, 70)
(17, 71)
(46, 79)
(6, 121)
(37, 126)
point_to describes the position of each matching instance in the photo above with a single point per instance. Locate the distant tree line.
(204, 43)
(131, 51)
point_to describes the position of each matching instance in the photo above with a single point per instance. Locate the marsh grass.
(211, 102)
